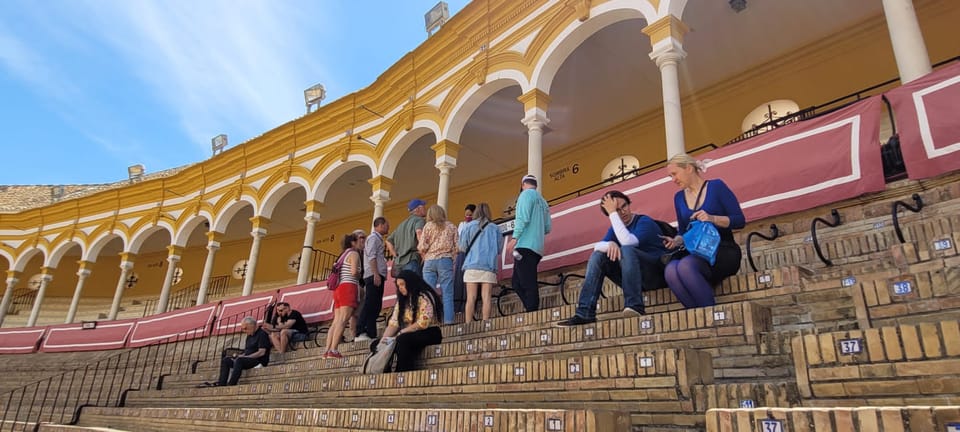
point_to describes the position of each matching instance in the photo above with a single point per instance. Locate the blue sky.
(88, 88)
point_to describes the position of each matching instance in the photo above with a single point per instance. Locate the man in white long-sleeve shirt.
(629, 255)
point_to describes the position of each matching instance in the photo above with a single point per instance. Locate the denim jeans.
(440, 271)
(628, 272)
(414, 266)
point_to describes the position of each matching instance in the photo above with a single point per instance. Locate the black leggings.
(410, 345)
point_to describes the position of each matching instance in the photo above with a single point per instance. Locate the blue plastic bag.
(702, 240)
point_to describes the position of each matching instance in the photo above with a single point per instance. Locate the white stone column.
(668, 61)
(443, 188)
(12, 279)
(535, 124)
(666, 38)
(446, 159)
(535, 103)
(909, 49)
(173, 260)
(126, 267)
(306, 254)
(259, 232)
(213, 245)
(45, 279)
(381, 194)
(82, 275)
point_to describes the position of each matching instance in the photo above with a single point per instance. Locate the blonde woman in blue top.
(692, 278)
(480, 262)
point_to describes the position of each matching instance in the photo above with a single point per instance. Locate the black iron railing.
(621, 177)
(835, 216)
(896, 218)
(22, 299)
(187, 297)
(61, 397)
(774, 233)
(320, 264)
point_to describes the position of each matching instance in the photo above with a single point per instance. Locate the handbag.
(380, 359)
(333, 279)
(702, 240)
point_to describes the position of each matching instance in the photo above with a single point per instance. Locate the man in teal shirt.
(531, 225)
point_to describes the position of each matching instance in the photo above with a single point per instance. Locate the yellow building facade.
(560, 89)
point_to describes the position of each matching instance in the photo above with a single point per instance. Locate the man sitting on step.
(286, 328)
(256, 353)
(629, 255)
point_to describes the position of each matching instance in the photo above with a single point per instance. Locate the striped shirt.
(346, 270)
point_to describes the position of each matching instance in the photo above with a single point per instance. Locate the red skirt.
(345, 295)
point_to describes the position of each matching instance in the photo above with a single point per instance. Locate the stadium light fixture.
(218, 143)
(436, 17)
(313, 96)
(135, 172)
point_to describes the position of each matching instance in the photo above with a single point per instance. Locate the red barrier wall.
(181, 324)
(72, 337)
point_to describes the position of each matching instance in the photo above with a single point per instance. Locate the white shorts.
(479, 276)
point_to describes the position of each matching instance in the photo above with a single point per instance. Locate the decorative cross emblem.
(132, 280)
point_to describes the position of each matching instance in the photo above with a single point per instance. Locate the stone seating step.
(731, 331)
(888, 419)
(652, 384)
(901, 365)
(367, 419)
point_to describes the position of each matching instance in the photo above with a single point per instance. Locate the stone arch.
(330, 175)
(54, 258)
(223, 217)
(141, 236)
(7, 256)
(21, 262)
(93, 251)
(576, 32)
(468, 103)
(272, 197)
(400, 145)
(671, 7)
(180, 239)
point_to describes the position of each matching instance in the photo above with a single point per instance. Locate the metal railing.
(187, 297)
(22, 297)
(107, 382)
(619, 178)
(774, 233)
(320, 264)
(835, 215)
(896, 218)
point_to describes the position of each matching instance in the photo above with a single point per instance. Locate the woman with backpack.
(481, 243)
(414, 322)
(344, 294)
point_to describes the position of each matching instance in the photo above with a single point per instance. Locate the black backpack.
(665, 228)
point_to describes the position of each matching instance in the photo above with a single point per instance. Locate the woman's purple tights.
(687, 278)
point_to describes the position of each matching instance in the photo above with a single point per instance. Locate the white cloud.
(221, 66)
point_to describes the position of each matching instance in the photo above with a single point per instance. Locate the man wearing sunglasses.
(629, 255)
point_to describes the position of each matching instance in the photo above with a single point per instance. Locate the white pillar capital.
(126, 265)
(312, 218)
(535, 120)
(668, 52)
(83, 273)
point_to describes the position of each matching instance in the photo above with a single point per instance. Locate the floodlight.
(218, 143)
(436, 17)
(135, 172)
(314, 95)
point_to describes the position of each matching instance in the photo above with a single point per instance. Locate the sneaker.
(575, 321)
(630, 312)
(362, 338)
(333, 354)
(258, 366)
